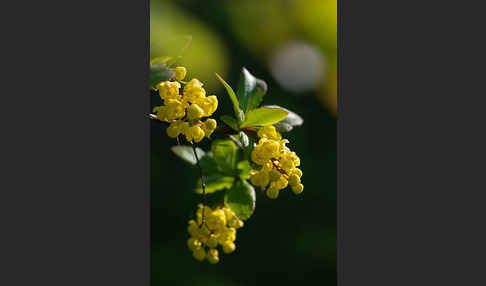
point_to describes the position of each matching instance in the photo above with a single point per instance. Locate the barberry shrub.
(247, 151)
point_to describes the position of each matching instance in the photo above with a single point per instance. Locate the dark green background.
(288, 240)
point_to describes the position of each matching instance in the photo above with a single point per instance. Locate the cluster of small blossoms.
(219, 228)
(185, 107)
(279, 164)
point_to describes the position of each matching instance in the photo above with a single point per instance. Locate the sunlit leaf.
(263, 116)
(236, 105)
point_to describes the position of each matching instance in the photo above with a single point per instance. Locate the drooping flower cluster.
(219, 228)
(279, 164)
(185, 107)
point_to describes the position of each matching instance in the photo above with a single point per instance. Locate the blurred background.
(292, 45)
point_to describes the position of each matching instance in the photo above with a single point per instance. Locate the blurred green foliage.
(286, 241)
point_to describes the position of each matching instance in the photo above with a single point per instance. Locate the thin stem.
(279, 169)
(202, 180)
(235, 141)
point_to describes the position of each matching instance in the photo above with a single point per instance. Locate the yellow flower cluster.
(220, 225)
(184, 107)
(279, 164)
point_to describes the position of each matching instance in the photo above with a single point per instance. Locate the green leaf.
(208, 163)
(215, 182)
(224, 153)
(240, 116)
(245, 168)
(248, 149)
(287, 124)
(250, 91)
(230, 121)
(159, 72)
(241, 199)
(263, 116)
(187, 154)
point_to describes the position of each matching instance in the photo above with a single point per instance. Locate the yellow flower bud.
(209, 105)
(199, 254)
(298, 189)
(197, 134)
(193, 244)
(231, 232)
(175, 128)
(270, 148)
(228, 234)
(204, 233)
(212, 242)
(274, 175)
(281, 183)
(207, 212)
(294, 158)
(268, 166)
(294, 180)
(194, 133)
(269, 132)
(216, 220)
(219, 229)
(298, 172)
(257, 156)
(211, 123)
(180, 73)
(239, 224)
(169, 90)
(229, 214)
(195, 95)
(192, 84)
(260, 179)
(229, 247)
(175, 109)
(287, 164)
(194, 92)
(203, 239)
(194, 112)
(272, 193)
(162, 114)
(235, 223)
(193, 229)
(213, 256)
(208, 127)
